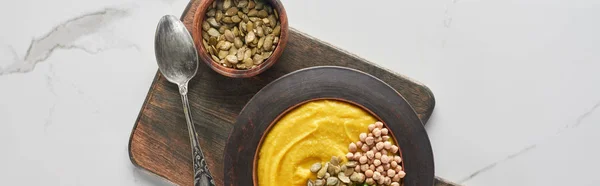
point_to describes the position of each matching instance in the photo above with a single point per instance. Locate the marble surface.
(516, 83)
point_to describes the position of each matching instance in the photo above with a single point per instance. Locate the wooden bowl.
(334, 83)
(232, 72)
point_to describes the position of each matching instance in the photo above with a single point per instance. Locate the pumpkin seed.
(276, 14)
(245, 18)
(242, 4)
(351, 164)
(215, 58)
(248, 62)
(331, 168)
(236, 31)
(243, 26)
(213, 22)
(334, 159)
(214, 50)
(225, 63)
(272, 21)
(236, 19)
(277, 30)
(259, 5)
(315, 167)
(275, 40)
(332, 181)
(248, 54)
(226, 4)
(320, 173)
(253, 19)
(213, 32)
(251, 4)
(255, 41)
(348, 171)
(233, 50)
(219, 44)
(354, 177)
(231, 59)
(219, 15)
(212, 40)
(227, 20)
(222, 29)
(343, 178)
(250, 37)
(223, 54)
(319, 182)
(262, 14)
(241, 66)
(226, 45)
(229, 36)
(249, 26)
(205, 34)
(205, 44)
(310, 183)
(211, 13)
(205, 25)
(260, 32)
(252, 13)
(238, 42)
(219, 6)
(240, 54)
(231, 11)
(260, 42)
(268, 30)
(258, 22)
(268, 43)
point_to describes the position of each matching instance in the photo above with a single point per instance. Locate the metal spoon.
(178, 62)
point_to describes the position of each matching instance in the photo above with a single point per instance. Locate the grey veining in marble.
(69, 35)
(516, 83)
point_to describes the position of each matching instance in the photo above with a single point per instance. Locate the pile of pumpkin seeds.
(335, 173)
(240, 34)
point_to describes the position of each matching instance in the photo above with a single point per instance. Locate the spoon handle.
(202, 176)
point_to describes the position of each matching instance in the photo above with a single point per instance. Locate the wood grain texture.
(159, 141)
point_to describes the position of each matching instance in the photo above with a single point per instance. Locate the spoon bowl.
(175, 52)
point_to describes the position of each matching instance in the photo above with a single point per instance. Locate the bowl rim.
(285, 112)
(328, 81)
(199, 15)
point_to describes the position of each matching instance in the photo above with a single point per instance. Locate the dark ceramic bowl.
(335, 83)
(232, 72)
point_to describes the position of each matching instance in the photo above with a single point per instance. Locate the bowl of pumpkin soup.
(324, 133)
(328, 126)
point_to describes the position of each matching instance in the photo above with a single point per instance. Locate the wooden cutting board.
(159, 141)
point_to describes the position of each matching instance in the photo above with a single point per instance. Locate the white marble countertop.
(516, 83)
